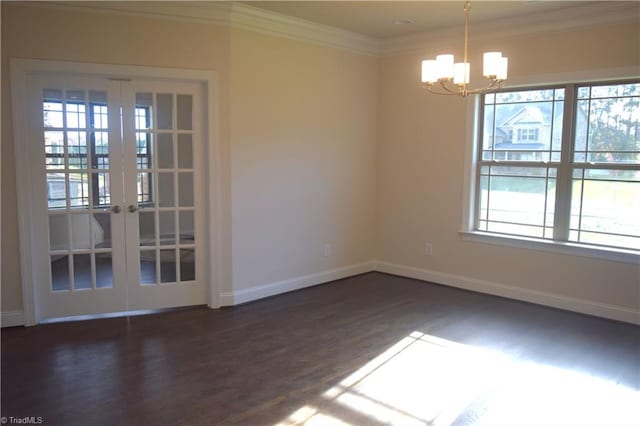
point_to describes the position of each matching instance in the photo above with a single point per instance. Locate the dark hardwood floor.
(371, 349)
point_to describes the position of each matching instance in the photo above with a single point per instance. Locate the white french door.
(117, 194)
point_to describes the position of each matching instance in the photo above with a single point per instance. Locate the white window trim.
(467, 231)
(550, 246)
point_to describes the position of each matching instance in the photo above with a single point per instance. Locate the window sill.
(572, 249)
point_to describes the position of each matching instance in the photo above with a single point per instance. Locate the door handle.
(115, 209)
(132, 208)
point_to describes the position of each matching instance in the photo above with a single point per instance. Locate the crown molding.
(203, 12)
(259, 20)
(236, 15)
(574, 17)
(241, 16)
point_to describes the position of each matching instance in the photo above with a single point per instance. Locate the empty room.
(320, 212)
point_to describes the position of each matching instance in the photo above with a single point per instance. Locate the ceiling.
(377, 18)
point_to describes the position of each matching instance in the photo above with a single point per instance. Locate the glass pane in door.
(185, 189)
(167, 228)
(82, 271)
(168, 266)
(187, 230)
(60, 273)
(148, 267)
(187, 264)
(76, 146)
(165, 111)
(58, 232)
(164, 183)
(185, 112)
(104, 270)
(185, 151)
(165, 151)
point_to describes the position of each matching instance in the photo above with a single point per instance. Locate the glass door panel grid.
(165, 195)
(75, 138)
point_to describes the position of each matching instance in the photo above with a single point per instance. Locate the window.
(572, 173)
(527, 135)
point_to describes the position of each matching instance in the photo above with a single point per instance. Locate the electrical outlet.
(327, 249)
(428, 249)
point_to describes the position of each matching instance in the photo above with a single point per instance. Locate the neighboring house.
(525, 131)
(526, 134)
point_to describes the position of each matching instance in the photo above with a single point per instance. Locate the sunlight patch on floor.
(539, 394)
(424, 379)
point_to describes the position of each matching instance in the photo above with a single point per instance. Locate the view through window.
(562, 163)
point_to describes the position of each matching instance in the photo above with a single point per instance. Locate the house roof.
(527, 115)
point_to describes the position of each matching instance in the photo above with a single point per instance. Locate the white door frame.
(21, 69)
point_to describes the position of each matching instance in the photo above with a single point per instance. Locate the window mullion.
(562, 216)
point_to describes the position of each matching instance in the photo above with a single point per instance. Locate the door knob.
(115, 209)
(132, 208)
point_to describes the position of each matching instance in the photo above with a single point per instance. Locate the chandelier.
(452, 78)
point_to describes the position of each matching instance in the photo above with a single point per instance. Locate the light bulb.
(445, 66)
(429, 71)
(461, 73)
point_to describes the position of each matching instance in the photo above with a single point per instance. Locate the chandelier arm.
(446, 87)
(495, 85)
(463, 92)
(435, 92)
(430, 87)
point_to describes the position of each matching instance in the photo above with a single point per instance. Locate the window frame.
(559, 243)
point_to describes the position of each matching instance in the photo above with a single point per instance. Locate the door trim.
(22, 69)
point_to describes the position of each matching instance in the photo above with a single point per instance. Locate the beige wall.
(421, 152)
(297, 126)
(55, 34)
(324, 146)
(303, 122)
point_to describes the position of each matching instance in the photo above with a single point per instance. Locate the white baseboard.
(541, 298)
(618, 313)
(603, 310)
(279, 287)
(12, 319)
